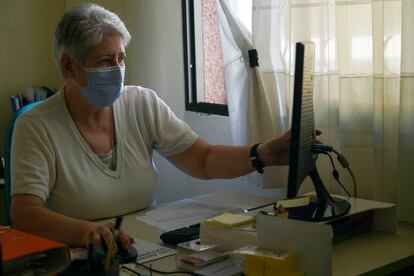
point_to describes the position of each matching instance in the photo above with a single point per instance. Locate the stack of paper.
(185, 212)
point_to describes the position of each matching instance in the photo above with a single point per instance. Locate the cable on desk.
(353, 181)
(158, 271)
(335, 175)
(131, 270)
(345, 164)
(326, 149)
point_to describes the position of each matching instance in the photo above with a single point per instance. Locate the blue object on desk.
(7, 157)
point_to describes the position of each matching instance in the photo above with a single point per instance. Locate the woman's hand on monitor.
(317, 133)
(276, 151)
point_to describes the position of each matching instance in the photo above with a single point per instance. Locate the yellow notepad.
(293, 202)
(230, 220)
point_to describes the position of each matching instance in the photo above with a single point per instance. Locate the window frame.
(190, 69)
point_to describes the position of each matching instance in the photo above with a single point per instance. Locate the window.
(205, 81)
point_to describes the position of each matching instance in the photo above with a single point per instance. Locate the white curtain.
(364, 84)
(363, 93)
(255, 115)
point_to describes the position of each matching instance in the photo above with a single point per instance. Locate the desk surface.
(375, 253)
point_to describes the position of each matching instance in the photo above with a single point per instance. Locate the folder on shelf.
(15, 103)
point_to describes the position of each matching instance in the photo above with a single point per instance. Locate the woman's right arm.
(33, 174)
(29, 214)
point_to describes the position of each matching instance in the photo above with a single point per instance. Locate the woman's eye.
(105, 61)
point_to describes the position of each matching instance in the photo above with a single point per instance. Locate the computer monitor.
(302, 161)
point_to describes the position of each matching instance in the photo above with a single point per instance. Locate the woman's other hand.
(102, 235)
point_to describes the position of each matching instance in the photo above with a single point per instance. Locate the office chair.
(7, 158)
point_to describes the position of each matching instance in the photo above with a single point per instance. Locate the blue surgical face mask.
(104, 85)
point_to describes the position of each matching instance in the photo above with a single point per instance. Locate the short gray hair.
(82, 28)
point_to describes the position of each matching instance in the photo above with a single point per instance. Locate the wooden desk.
(373, 253)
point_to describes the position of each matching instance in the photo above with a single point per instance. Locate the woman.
(89, 155)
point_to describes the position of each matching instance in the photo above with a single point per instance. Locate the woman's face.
(110, 52)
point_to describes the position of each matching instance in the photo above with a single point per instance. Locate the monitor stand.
(322, 207)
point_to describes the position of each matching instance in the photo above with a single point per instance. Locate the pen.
(91, 255)
(258, 207)
(109, 259)
(118, 222)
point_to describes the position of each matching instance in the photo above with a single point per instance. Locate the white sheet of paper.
(148, 251)
(78, 253)
(184, 213)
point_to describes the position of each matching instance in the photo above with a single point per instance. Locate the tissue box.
(263, 262)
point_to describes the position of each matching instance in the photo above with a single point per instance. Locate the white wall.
(26, 31)
(154, 60)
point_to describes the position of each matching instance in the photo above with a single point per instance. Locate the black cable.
(335, 172)
(131, 270)
(353, 181)
(325, 149)
(345, 164)
(335, 175)
(159, 271)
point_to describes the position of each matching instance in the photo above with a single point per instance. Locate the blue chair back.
(7, 156)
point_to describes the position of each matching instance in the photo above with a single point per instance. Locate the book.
(22, 252)
(14, 103)
(32, 94)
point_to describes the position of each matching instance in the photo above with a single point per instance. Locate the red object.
(16, 243)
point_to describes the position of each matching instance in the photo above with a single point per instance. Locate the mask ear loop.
(80, 66)
(84, 69)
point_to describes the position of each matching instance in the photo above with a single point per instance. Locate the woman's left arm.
(207, 161)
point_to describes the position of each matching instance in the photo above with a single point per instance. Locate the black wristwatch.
(256, 163)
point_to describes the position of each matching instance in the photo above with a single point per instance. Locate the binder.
(32, 94)
(20, 251)
(14, 103)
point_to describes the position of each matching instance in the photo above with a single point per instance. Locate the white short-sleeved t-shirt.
(51, 160)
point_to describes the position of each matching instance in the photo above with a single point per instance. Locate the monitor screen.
(302, 161)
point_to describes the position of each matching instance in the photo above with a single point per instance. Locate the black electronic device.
(302, 161)
(180, 235)
(124, 255)
(129, 255)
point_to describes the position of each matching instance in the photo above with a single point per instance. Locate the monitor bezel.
(302, 160)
